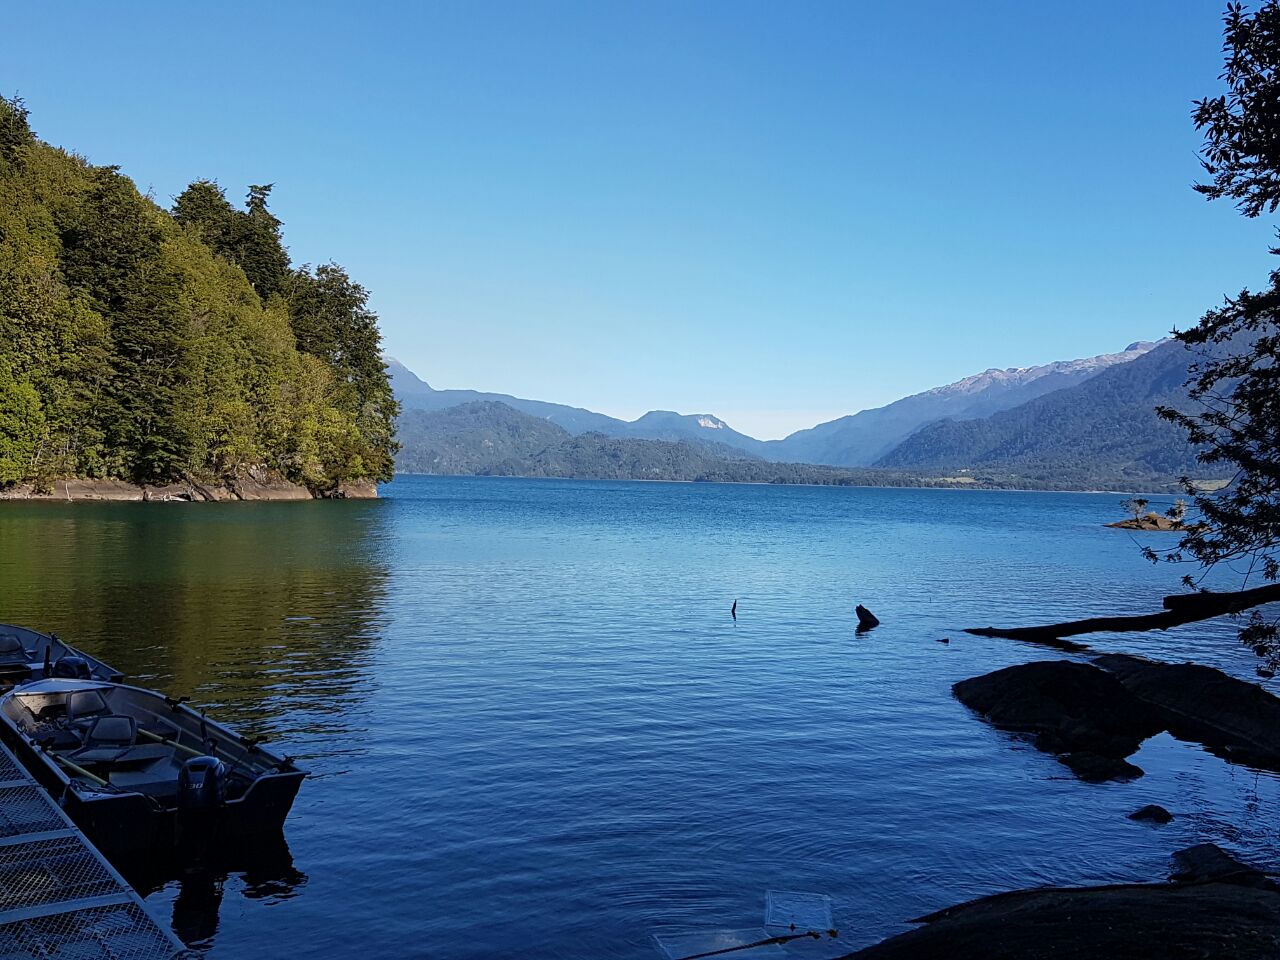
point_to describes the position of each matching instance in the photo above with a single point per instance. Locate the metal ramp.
(59, 898)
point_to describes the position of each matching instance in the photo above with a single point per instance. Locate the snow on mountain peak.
(1013, 376)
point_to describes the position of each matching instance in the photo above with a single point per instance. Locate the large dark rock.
(1236, 719)
(1075, 710)
(1124, 922)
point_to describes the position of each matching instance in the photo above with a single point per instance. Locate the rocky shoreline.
(1152, 522)
(1212, 906)
(250, 487)
(1092, 716)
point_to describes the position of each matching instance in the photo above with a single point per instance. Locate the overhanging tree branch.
(1179, 609)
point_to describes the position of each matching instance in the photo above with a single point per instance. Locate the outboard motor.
(202, 785)
(202, 788)
(72, 668)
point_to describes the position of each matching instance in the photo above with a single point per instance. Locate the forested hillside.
(486, 438)
(150, 345)
(1103, 432)
(865, 437)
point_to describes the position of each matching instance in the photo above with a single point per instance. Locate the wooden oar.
(172, 743)
(80, 771)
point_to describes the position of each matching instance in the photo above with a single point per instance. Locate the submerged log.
(1179, 609)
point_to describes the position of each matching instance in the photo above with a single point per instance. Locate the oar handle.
(173, 743)
(80, 771)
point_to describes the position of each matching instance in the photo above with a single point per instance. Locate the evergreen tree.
(111, 251)
(249, 238)
(150, 346)
(1237, 383)
(331, 319)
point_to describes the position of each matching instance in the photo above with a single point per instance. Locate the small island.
(1150, 521)
(1172, 521)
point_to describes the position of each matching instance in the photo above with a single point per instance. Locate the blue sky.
(775, 212)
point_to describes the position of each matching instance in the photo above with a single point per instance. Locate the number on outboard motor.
(202, 784)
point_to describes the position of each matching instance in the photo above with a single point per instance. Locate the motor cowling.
(202, 784)
(72, 668)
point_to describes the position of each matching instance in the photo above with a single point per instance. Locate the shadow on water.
(261, 867)
(267, 614)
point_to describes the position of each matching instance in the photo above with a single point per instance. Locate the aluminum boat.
(28, 655)
(138, 771)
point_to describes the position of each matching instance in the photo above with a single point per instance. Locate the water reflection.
(269, 615)
(266, 613)
(197, 880)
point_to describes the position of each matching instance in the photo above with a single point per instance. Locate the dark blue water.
(536, 732)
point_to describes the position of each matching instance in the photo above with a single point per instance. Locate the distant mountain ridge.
(1103, 427)
(414, 393)
(862, 439)
(490, 438)
(1076, 424)
(859, 439)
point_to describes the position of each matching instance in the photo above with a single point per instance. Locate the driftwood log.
(1179, 608)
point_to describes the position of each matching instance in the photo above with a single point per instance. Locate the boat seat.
(87, 704)
(11, 650)
(107, 738)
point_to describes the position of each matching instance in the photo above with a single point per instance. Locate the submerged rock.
(1080, 712)
(1206, 862)
(1151, 813)
(353, 490)
(1096, 768)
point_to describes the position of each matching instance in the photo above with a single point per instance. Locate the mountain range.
(414, 393)
(1074, 424)
(491, 438)
(1104, 426)
(863, 438)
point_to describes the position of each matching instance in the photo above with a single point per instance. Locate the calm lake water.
(534, 730)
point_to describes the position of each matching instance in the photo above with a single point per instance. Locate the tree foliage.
(153, 346)
(1237, 380)
(1241, 151)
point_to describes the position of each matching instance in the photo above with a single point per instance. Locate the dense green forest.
(154, 345)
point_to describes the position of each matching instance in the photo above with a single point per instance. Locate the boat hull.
(130, 826)
(131, 823)
(39, 646)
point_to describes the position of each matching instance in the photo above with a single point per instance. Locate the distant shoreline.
(976, 486)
